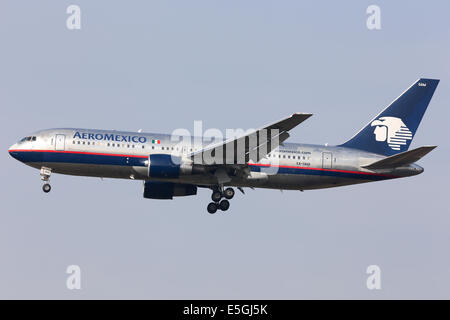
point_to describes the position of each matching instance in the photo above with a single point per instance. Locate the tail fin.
(392, 131)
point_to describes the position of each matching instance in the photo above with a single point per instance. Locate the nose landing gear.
(45, 176)
(219, 204)
(46, 188)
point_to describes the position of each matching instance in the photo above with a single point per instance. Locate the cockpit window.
(30, 138)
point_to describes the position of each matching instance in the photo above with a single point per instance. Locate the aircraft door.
(327, 160)
(60, 142)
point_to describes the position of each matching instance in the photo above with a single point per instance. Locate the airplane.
(256, 159)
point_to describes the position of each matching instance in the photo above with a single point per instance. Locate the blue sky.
(161, 65)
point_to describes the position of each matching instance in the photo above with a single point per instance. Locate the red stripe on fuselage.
(321, 169)
(250, 164)
(81, 152)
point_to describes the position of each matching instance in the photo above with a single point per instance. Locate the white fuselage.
(114, 154)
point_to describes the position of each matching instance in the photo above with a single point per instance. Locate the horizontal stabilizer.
(401, 159)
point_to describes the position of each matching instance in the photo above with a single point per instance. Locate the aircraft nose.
(12, 152)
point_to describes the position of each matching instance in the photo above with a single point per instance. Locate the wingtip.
(302, 114)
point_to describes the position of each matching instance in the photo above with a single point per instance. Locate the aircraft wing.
(253, 145)
(400, 159)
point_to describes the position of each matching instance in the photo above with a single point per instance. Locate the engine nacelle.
(167, 190)
(167, 166)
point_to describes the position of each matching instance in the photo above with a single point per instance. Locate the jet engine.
(167, 190)
(167, 166)
(170, 166)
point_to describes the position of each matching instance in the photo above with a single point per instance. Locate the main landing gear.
(218, 203)
(45, 176)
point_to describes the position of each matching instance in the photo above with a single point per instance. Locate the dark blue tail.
(392, 131)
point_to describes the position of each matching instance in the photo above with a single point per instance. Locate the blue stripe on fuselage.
(82, 157)
(126, 160)
(323, 172)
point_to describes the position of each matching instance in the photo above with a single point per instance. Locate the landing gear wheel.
(216, 196)
(228, 193)
(224, 205)
(46, 188)
(212, 207)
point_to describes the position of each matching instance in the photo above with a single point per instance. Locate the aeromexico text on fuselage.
(109, 137)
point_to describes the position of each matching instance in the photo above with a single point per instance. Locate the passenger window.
(153, 147)
(143, 147)
(73, 141)
(78, 142)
